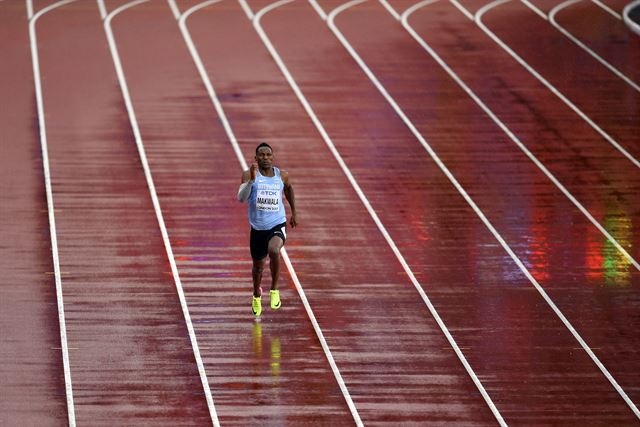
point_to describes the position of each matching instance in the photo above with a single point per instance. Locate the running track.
(468, 245)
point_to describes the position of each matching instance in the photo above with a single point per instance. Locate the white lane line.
(207, 82)
(389, 8)
(552, 18)
(607, 9)
(537, 10)
(102, 8)
(462, 9)
(246, 8)
(236, 148)
(174, 8)
(506, 48)
(71, 414)
(510, 134)
(634, 26)
(533, 7)
(156, 203)
(322, 13)
(29, 8)
(363, 197)
(534, 282)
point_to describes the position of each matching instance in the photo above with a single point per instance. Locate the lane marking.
(207, 82)
(156, 203)
(533, 7)
(321, 11)
(506, 48)
(552, 19)
(460, 8)
(71, 414)
(391, 10)
(509, 133)
(102, 8)
(445, 170)
(361, 195)
(29, 9)
(174, 8)
(503, 243)
(633, 25)
(243, 164)
(246, 8)
(607, 8)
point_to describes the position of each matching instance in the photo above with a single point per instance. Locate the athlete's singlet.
(265, 201)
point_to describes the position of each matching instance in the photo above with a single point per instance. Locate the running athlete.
(263, 185)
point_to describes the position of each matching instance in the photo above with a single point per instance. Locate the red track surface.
(31, 377)
(607, 36)
(609, 100)
(131, 358)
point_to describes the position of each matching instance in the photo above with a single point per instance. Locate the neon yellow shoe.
(275, 299)
(256, 305)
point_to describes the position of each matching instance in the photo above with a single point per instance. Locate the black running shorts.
(259, 242)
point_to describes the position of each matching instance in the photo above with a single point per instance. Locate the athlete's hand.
(252, 170)
(293, 221)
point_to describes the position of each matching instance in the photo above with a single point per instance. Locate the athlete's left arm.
(288, 193)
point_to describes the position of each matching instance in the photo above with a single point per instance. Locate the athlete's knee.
(274, 251)
(257, 269)
(275, 244)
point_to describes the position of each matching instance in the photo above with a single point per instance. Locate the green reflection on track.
(616, 268)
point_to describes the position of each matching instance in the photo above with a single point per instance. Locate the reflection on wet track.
(131, 360)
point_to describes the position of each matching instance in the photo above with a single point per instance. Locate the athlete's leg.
(256, 271)
(275, 244)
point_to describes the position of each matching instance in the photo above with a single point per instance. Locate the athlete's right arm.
(248, 177)
(245, 188)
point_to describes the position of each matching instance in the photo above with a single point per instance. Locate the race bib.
(268, 198)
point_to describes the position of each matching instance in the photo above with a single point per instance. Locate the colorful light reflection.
(604, 261)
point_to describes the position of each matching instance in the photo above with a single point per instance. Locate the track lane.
(31, 371)
(519, 99)
(457, 126)
(602, 96)
(613, 5)
(129, 350)
(185, 5)
(598, 249)
(394, 359)
(259, 372)
(112, 5)
(570, 149)
(619, 222)
(38, 5)
(607, 36)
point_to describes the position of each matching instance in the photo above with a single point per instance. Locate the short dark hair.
(263, 144)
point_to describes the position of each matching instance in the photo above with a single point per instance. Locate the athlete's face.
(264, 157)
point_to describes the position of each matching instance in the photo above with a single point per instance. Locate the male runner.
(263, 185)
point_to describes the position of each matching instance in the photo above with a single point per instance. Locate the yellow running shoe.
(256, 305)
(275, 299)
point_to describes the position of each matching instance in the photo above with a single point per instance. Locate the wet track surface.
(382, 333)
(131, 356)
(30, 358)
(609, 103)
(606, 35)
(475, 166)
(249, 364)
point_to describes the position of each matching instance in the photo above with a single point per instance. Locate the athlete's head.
(264, 155)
